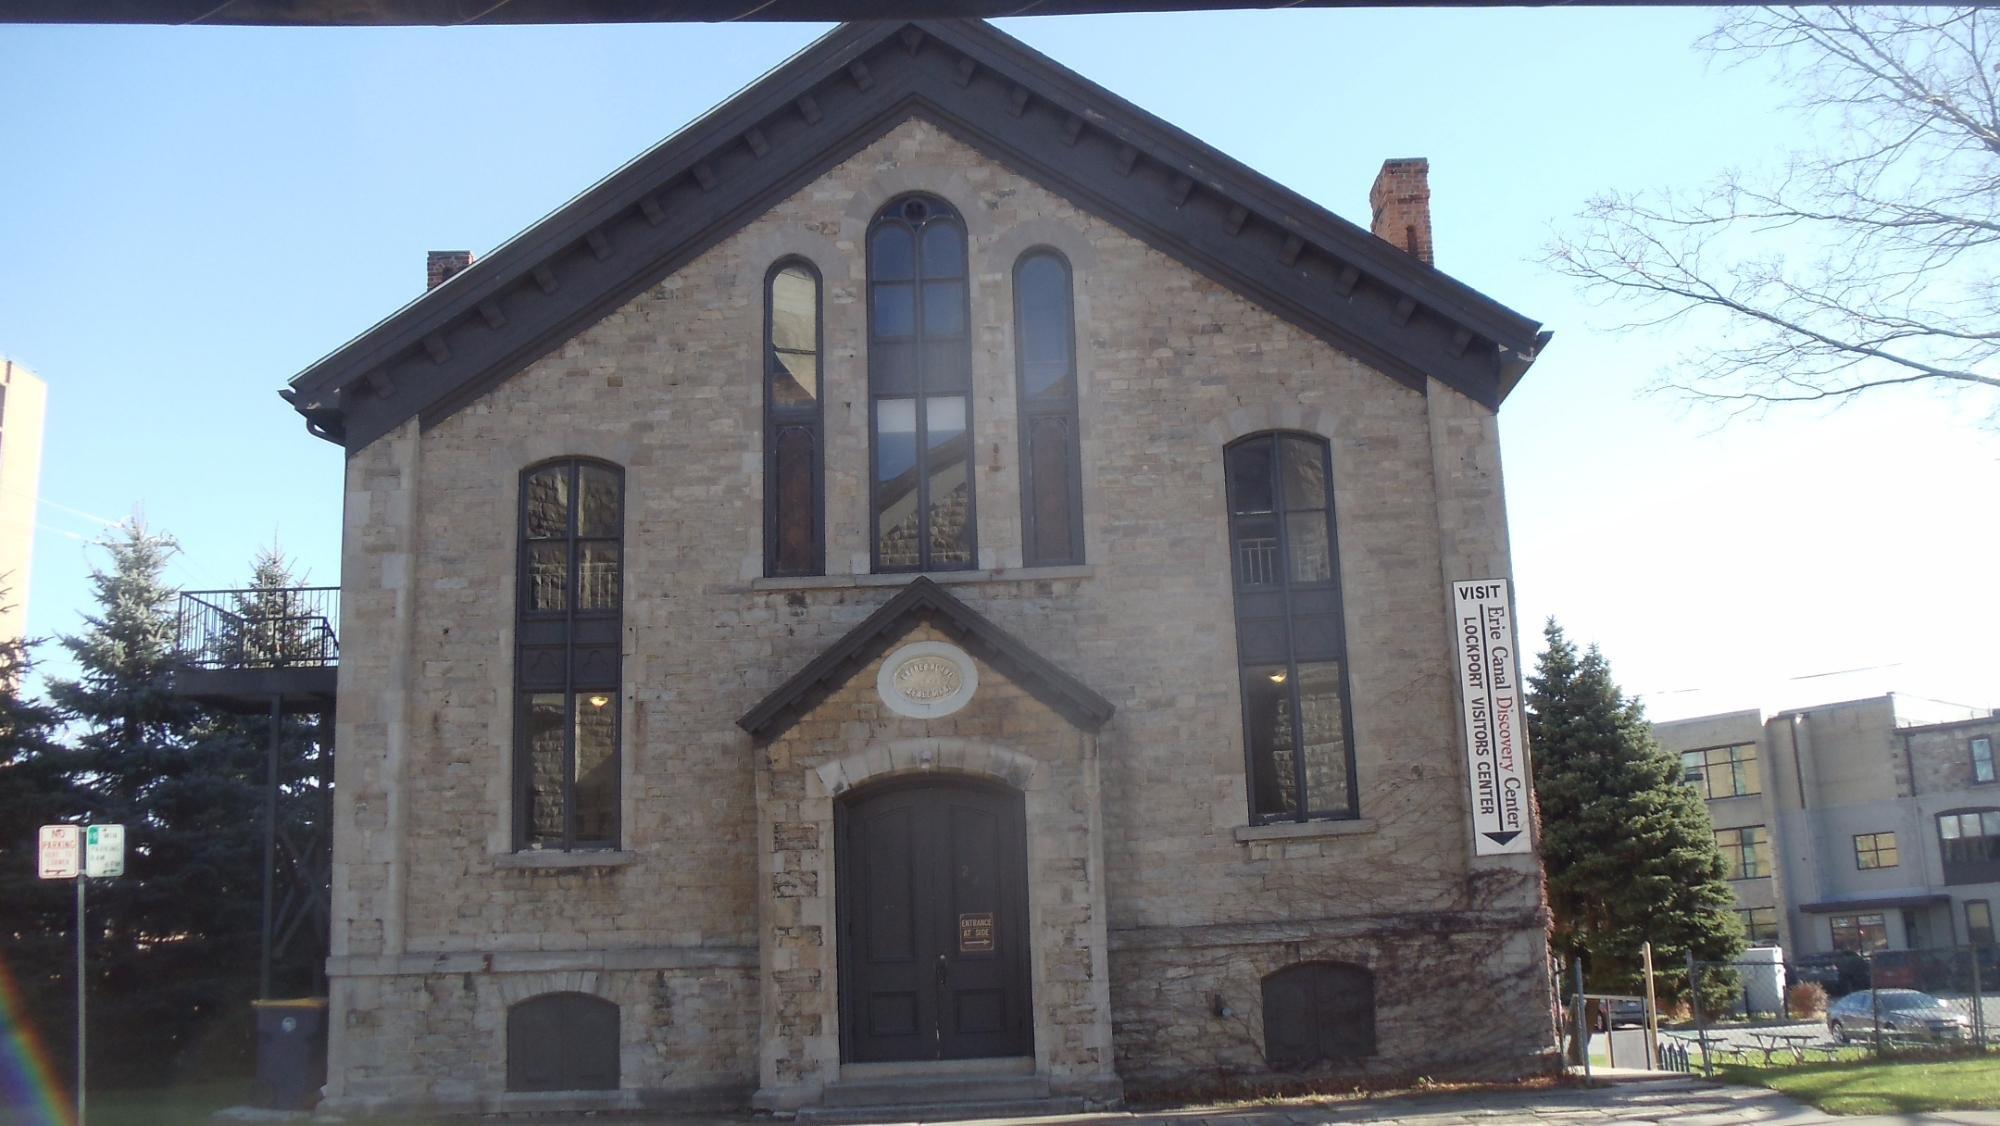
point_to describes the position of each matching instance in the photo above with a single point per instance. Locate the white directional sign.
(104, 850)
(61, 853)
(1489, 685)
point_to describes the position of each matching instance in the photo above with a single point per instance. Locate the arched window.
(794, 497)
(920, 388)
(562, 1042)
(1290, 639)
(566, 668)
(1045, 381)
(1318, 1011)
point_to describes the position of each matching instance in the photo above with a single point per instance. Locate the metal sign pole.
(1652, 1007)
(80, 1024)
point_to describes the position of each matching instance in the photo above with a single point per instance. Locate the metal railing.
(259, 628)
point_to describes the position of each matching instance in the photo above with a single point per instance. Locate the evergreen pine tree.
(37, 923)
(1629, 850)
(172, 937)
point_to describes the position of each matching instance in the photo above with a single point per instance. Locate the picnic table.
(1795, 1042)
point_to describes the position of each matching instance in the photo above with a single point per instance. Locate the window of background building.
(566, 663)
(1722, 772)
(1970, 843)
(1874, 850)
(1746, 852)
(1760, 924)
(1982, 758)
(1291, 644)
(1859, 933)
(1979, 922)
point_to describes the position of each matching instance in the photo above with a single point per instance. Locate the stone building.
(930, 584)
(1861, 825)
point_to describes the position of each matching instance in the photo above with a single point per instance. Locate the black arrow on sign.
(1503, 838)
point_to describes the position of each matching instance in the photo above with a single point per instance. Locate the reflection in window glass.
(566, 658)
(1979, 922)
(1874, 850)
(792, 470)
(548, 504)
(548, 577)
(1760, 925)
(1722, 772)
(544, 721)
(1982, 759)
(922, 499)
(1296, 720)
(1860, 934)
(1746, 852)
(1268, 721)
(596, 765)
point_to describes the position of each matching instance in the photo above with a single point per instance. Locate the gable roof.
(924, 600)
(649, 218)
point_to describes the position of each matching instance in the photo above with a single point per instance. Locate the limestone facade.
(1156, 908)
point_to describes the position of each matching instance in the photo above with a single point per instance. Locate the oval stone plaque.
(927, 679)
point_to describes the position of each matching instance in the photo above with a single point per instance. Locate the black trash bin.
(291, 1052)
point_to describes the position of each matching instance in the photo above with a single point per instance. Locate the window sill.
(1304, 830)
(945, 578)
(547, 859)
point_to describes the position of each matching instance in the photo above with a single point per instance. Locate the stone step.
(954, 1111)
(934, 1090)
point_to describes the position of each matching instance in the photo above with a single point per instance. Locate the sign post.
(1496, 750)
(73, 852)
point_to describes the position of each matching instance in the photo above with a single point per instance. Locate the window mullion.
(1302, 802)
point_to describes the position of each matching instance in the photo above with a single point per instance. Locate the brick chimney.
(1401, 200)
(442, 265)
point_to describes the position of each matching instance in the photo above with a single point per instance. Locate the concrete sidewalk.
(1678, 1101)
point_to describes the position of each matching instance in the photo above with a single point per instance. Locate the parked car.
(1836, 973)
(1620, 1013)
(1905, 1013)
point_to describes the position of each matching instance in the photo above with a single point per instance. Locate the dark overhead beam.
(452, 13)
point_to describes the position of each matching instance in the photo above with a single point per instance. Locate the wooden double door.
(932, 913)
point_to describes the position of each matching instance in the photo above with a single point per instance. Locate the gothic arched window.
(920, 388)
(566, 663)
(794, 474)
(1045, 382)
(1291, 641)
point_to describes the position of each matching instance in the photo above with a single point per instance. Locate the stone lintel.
(545, 961)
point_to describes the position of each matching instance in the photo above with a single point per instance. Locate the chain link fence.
(1768, 1012)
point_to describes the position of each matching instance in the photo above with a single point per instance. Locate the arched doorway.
(932, 916)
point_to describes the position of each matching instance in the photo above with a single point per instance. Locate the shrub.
(1806, 999)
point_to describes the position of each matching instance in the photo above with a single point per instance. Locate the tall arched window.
(920, 388)
(794, 504)
(1045, 382)
(566, 667)
(1290, 639)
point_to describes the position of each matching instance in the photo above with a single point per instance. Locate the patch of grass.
(188, 1103)
(1872, 1087)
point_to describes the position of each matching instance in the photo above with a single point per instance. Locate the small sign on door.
(975, 933)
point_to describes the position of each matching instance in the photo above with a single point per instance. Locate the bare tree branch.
(1870, 259)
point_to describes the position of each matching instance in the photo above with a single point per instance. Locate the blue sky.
(192, 215)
